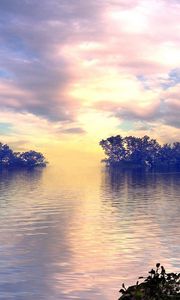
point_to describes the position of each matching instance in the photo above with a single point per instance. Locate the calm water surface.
(79, 233)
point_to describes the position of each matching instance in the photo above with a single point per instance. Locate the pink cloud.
(66, 45)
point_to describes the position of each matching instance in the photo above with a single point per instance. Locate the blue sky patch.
(5, 128)
(4, 74)
(126, 125)
(173, 79)
(144, 81)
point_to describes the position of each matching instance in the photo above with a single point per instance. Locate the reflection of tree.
(121, 180)
(136, 181)
(10, 179)
(144, 208)
(25, 215)
(136, 191)
(29, 159)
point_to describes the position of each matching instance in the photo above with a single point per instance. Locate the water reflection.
(146, 209)
(78, 233)
(18, 224)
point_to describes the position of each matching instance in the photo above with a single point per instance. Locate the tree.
(32, 159)
(158, 285)
(6, 154)
(176, 153)
(114, 148)
(142, 152)
(29, 159)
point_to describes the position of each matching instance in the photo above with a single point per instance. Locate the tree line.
(11, 159)
(142, 152)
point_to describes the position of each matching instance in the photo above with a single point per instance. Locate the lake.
(79, 232)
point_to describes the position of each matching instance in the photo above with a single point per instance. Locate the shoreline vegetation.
(144, 153)
(20, 160)
(158, 285)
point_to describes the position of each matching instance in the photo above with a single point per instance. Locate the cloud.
(164, 108)
(67, 61)
(172, 79)
(171, 106)
(135, 110)
(20, 145)
(75, 130)
(31, 33)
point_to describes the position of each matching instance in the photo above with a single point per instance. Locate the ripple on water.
(62, 237)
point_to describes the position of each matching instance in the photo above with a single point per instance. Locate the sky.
(73, 72)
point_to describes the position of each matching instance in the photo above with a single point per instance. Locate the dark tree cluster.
(29, 159)
(142, 152)
(158, 285)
